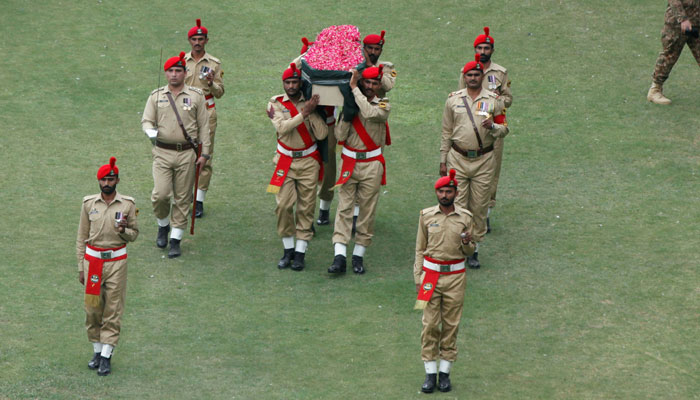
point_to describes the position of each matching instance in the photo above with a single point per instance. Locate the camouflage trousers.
(673, 41)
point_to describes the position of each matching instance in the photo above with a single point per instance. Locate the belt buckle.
(106, 255)
(444, 268)
(472, 153)
(297, 154)
(361, 156)
(178, 146)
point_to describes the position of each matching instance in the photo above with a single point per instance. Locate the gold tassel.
(92, 300)
(420, 305)
(273, 189)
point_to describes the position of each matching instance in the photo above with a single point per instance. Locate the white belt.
(357, 155)
(210, 102)
(444, 267)
(105, 254)
(296, 153)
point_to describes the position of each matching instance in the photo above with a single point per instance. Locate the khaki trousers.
(299, 188)
(173, 177)
(497, 159)
(207, 171)
(445, 306)
(475, 180)
(104, 323)
(363, 189)
(329, 178)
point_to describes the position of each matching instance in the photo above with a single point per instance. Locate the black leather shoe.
(488, 225)
(323, 217)
(429, 384)
(95, 362)
(339, 265)
(286, 259)
(357, 266)
(174, 248)
(162, 239)
(445, 385)
(105, 366)
(298, 263)
(473, 261)
(354, 224)
(199, 210)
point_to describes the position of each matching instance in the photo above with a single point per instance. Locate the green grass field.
(589, 287)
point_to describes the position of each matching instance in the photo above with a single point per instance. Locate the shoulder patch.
(393, 73)
(194, 89)
(222, 73)
(383, 104)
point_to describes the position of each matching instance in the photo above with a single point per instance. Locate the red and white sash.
(351, 156)
(433, 269)
(93, 281)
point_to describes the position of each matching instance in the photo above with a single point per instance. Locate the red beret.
(476, 64)
(374, 39)
(448, 180)
(306, 45)
(197, 30)
(373, 72)
(291, 72)
(485, 38)
(175, 62)
(108, 169)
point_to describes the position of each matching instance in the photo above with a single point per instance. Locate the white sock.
(488, 213)
(288, 242)
(177, 233)
(163, 222)
(107, 350)
(430, 367)
(340, 249)
(445, 366)
(325, 205)
(301, 246)
(356, 211)
(359, 250)
(97, 347)
(477, 248)
(201, 194)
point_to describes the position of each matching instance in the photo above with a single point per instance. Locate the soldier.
(681, 24)
(175, 119)
(444, 238)
(495, 80)
(468, 134)
(107, 222)
(373, 45)
(363, 169)
(298, 166)
(204, 72)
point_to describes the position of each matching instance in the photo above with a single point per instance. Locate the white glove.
(152, 134)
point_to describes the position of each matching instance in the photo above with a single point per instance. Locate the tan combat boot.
(656, 95)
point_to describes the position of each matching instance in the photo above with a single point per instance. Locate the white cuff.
(301, 246)
(177, 233)
(288, 242)
(445, 366)
(325, 205)
(430, 367)
(107, 350)
(340, 249)
(201, 194)
(359, 250)
(163, 222)
(97, 347)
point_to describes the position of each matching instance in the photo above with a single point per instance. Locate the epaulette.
(387, 64)
(194, 89)
(497, 67)
(90, 197)
(428, 210)
(131, 199)
(455, 92)
(157, 90)
(464, 210)
(279, 98)
(216, 60)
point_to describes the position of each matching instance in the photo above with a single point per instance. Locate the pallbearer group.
(180, 120)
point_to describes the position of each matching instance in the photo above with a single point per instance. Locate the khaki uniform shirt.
(680, 10)
(501, 87)
(286, 126)
(457, 126)
(388, 78)
(439, 237)
(192, 79)
(97, 228)
(192, 108)
(373, 115)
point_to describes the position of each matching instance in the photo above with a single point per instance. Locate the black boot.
(174, 248)
(298, 263)
(445, 385)
(105, 366)
(286, 258)
(488, 225)
(162, 239)
(95, 362)
(354, 224)
(199, 209)
(429, 384)
(473, 261)
(339, 265)
(323, 217)
(357, 266)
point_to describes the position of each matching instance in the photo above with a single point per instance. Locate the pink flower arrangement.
(336, 48)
